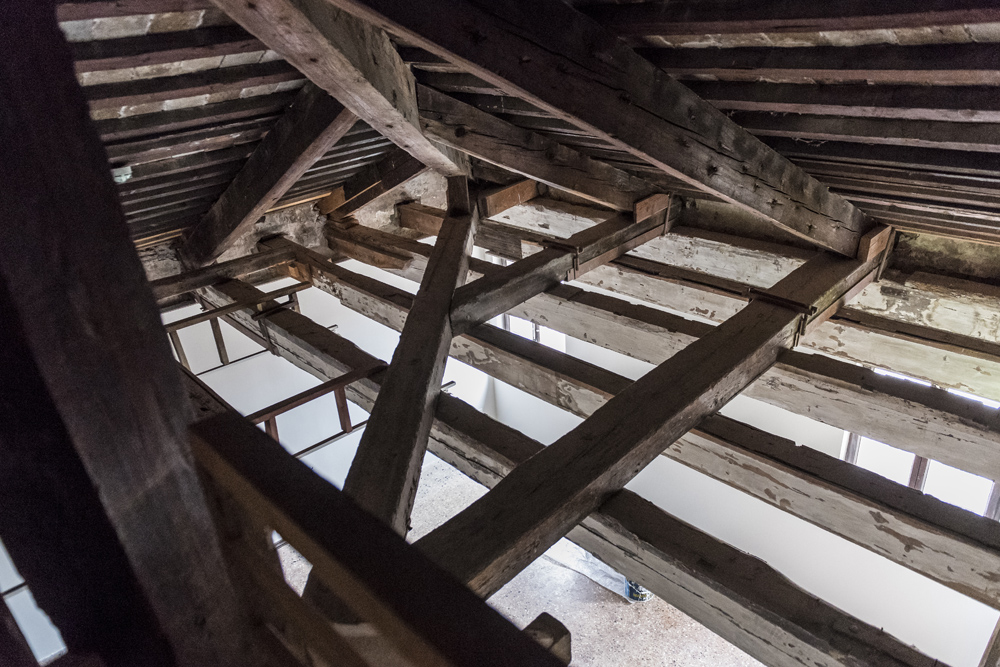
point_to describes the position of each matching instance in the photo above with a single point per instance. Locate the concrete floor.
(607, 630)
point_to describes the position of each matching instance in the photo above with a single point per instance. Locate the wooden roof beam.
(702, 18)
(386, 469)
(373, 181)
(313, 124)
(611, 93)
(487, 450)
(352, 61)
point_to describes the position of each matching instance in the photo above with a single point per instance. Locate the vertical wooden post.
(343, 411)
(918, 473)
(271, 427)
(175, 339)
(115, 539)
(220, 342)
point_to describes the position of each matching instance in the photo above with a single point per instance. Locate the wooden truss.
(498, 89)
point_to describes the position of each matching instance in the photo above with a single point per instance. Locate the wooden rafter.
(354, 62)
(385, 471)
(609, 92)
(393, 170)
(313, 124)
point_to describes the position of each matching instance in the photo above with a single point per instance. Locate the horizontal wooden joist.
(632, 534)
(928, 421)
(614, 95)
(217, 137)
(970, 64)
(82, 10)
(581, 388)
(392, 170)
(164, 47)
(171, 286)
(694, 18)
(962, 104)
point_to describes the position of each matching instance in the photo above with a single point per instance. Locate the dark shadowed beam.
(500, 143)
(81, 10)
(313, 124)
(171, 286)
(933, 64)
(609, 92)
(373, 181)
(487, 544)
(386, 469)
(961, 104)
(112, 410)
(690, 17)
(351, 60)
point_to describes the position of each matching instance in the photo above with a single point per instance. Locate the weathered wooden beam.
(887, 64)
(386, 469)
(313, 124)
(498, 142)
(349, 59)
(611, 93)
(144, 91)
(497, 200)
(412, 602)
(82, 10)
(497, 293)
(393, 170)
(488, 543)
(978, 137)
(693, 18)
(795, 479)
(164, 47)
(913, 102)
(171, 286)
(735, 595)
(128, 561)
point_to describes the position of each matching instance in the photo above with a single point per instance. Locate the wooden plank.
(497, 293)
(914, 102)
(171, 286)
(313, 124)
(886, 64)
(386, 469)
(415, 604)
(82, 10)
(614, 95)
(488, 543)
(498, 142)
(978, 137)
(391, 171)
(349, 59)
(106, 439)
(693, 18)
(503, 197)
(143, 91)
(160, 48)
(131, 153)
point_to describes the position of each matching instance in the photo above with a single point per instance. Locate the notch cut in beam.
(351, 60)
(613, 94)
(310, 127)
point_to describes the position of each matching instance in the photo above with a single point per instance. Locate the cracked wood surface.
(583, 75)
(352, 61)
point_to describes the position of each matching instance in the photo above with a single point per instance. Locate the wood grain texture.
(386, 469)
(609, 92)
(351, 60)
(310, 128)
(116, 412)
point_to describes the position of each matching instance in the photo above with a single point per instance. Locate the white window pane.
(553, 339)
(958, 487)
(522, 328)
(887, 461)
